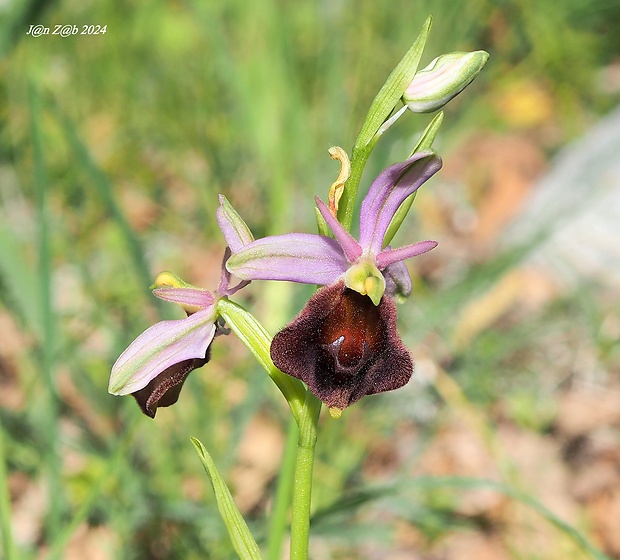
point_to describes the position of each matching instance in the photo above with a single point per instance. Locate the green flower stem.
(300, 519)
(305, 408)
(258, 341)
(359, 157)
(278, 521)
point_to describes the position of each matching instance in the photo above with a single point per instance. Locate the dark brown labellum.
(343, 347)
(164, 389)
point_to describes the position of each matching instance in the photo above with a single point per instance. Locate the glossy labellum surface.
(343, 347)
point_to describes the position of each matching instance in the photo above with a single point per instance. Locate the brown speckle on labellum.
(343, 347)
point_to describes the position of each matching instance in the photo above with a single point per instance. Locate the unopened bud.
(444, 78)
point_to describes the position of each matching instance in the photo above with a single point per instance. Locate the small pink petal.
(351, 248)
(389, 256)
(186, 296)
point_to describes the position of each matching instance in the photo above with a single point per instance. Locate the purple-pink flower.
(343, 345)
(155, 365)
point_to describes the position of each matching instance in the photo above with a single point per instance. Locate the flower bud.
(443, 79)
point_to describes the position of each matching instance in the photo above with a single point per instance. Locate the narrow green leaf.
(424, 142)
(20, 281)
(6, 529)
(379, 111)
(393, 89)
(50, 328)
(242, 540)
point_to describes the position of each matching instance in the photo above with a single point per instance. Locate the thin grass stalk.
(103, 186)
(284, 491)
(51, 408)
(117, 460)
(5, 505)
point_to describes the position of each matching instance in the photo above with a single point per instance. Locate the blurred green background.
(112, 152)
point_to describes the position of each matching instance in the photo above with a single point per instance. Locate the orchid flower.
(155, 365)
(343, 345)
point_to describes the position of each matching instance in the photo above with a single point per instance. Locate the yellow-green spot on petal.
(365, 278)
(335, 413)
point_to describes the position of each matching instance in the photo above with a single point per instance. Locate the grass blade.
(5, 505)
(48, 328)
(366, 495)
(104, 188)
(20, 282)
(379, 111)
(242, 540)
